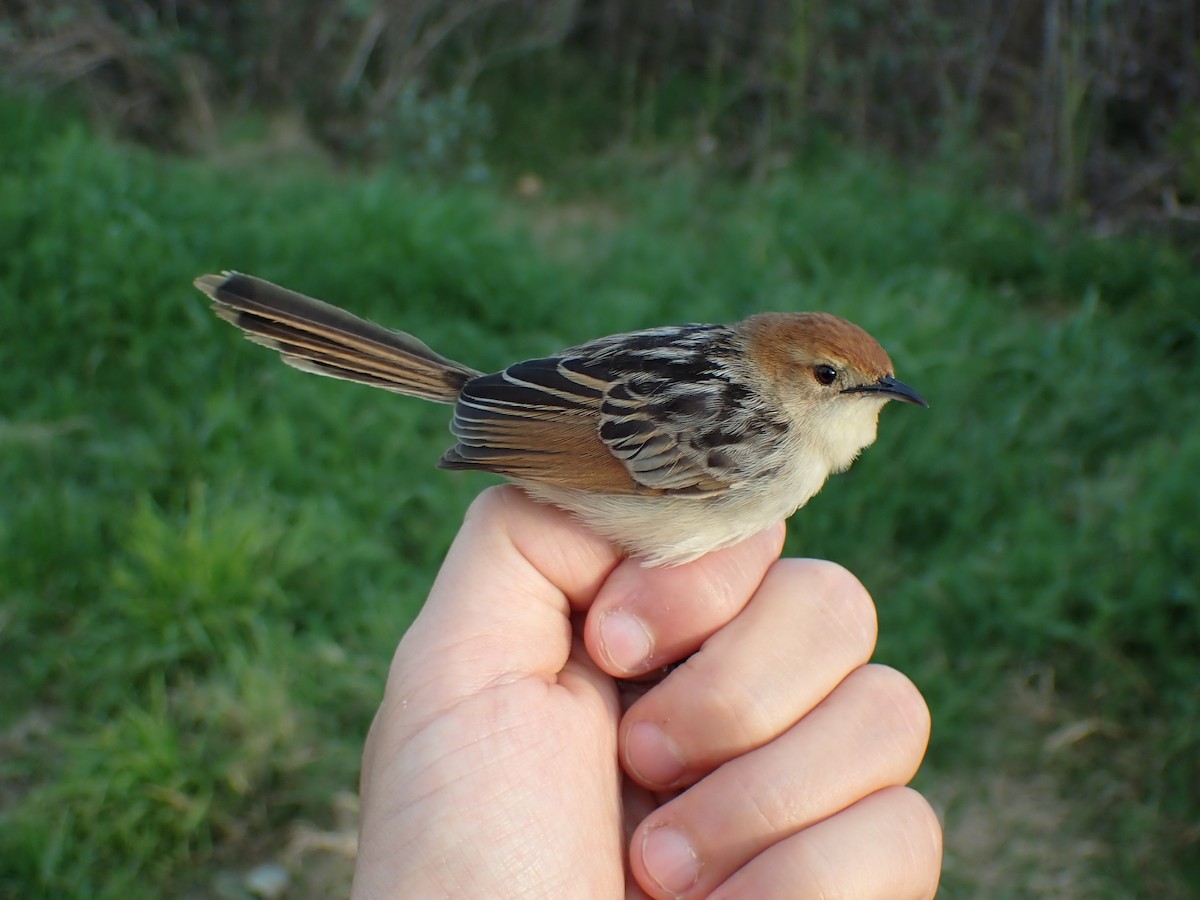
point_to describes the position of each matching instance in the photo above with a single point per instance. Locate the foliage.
(208, 558)
(1078, 103)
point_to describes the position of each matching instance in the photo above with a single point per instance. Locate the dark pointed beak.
(896, 390)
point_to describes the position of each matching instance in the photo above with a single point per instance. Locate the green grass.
(208, 558)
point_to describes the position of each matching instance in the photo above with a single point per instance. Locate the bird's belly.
(670, 530)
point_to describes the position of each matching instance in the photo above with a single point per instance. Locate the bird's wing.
(535, 423)
(652, 412)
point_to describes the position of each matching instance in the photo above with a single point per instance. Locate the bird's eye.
(825, 374)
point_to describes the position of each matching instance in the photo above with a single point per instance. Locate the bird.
(670, 442)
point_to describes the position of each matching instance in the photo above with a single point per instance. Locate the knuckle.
(490, 503)
(741, 708)
(895, 707)
(918, 824)
(842, 598)
(756, 797)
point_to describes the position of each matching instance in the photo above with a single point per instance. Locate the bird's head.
(830, 376)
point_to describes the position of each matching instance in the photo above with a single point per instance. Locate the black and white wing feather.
(659, 411)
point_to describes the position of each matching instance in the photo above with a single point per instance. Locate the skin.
(506, 760)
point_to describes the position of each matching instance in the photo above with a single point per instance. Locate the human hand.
(771, 763)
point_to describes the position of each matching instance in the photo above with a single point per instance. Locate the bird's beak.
(894, 389)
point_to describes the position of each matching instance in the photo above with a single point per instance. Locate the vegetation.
(1083, 103)
(208, 558)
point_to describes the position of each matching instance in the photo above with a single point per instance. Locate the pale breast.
(670, 530)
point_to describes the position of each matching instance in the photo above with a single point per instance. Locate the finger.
(500, 607)
(809, 624)
(886, 846)
(870, 733)
(636, 804)
(491, 705)
(645, 617)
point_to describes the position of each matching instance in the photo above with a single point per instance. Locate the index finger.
(643, 618)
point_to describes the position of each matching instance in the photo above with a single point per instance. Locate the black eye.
(825, 374)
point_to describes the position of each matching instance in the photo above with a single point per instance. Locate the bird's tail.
(325, 340)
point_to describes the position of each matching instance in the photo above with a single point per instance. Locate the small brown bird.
(671, 442)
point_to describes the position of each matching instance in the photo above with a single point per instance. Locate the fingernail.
(625, 641)
(652, 755)
(670, 860)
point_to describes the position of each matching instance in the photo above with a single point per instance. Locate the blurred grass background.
(208, 559)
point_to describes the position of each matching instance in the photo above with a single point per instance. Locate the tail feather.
(316, 337)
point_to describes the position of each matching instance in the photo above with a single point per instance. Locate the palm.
(531, 768)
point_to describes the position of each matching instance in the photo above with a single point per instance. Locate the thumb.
(501, 606)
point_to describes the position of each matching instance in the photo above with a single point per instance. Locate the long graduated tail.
(325, 340)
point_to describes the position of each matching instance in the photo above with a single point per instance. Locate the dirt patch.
(1009, 835)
